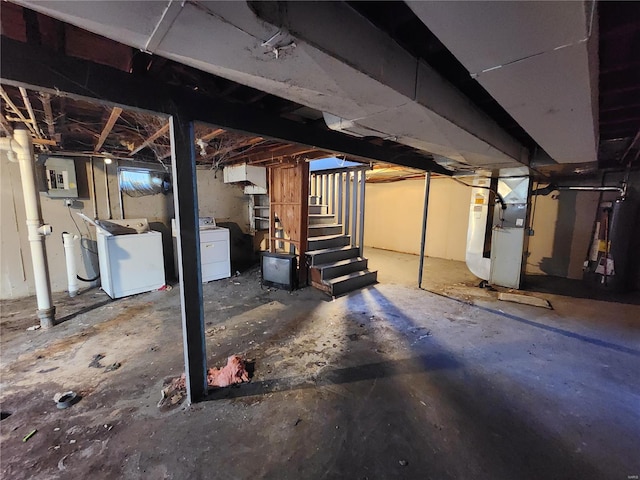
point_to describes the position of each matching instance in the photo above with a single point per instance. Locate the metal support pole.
(183, 167)
(363, 181)
(354, 209)
(427, 184)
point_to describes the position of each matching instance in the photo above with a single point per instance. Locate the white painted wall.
(393, 217)
(16, 271)
(224, 202)
(562, 222)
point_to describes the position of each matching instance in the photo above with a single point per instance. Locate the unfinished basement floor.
(387, 382)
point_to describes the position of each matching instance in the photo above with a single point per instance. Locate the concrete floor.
(387, 382)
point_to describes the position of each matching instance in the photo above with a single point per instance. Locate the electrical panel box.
(60, 174)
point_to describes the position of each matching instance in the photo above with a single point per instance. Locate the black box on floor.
(279, 270)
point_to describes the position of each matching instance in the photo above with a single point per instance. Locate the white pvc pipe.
(22, 146)
(69, 242)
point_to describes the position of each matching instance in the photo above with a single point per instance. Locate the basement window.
(138, 182)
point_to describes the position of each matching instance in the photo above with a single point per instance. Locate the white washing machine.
(130, 257)
(215, 253)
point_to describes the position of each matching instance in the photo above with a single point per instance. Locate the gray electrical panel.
(60, 174)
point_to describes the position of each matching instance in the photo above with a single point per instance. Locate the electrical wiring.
(81, 234)
(495, 192)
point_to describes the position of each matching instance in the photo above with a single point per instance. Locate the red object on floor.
(233, 372)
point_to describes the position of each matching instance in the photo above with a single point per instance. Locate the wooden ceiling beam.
(211, 135)
(162, 131)
(32, 116)
(222, 151)
(113, 118)
(291, 151)
(45, 98)
(17, 111)
(6, 126)
(262, 149)
(44, 141)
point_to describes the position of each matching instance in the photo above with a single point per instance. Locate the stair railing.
(343, 192)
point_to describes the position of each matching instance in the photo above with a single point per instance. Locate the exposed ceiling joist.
(113, 118)
(162, 131)
(266, 149)
(6, 126)
(44, 141)
(45, 98)
(211, 135)
(231, 148)
(16, 110)
(291, 151)
(32, 116)
(90, 81)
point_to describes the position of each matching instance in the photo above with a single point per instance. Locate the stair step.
(314, 200)
(325, 229)
(328, 241)
(353, 281)
(322, 219)
(328, 255)
(340, 268)
(315, 209)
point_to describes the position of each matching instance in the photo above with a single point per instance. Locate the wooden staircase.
(335, 266)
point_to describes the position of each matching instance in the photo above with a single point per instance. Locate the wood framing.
(289, 200)
(87, 80)
(113, 118)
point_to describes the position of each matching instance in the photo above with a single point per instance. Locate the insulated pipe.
(22, 146)
(423, 238)
(69, 243)
(551, 188)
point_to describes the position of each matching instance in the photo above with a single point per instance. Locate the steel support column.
(427, 185)
(183, 166)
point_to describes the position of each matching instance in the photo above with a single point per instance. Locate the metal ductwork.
(356, 74)
(539, 61)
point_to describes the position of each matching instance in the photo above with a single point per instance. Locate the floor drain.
(4, 415)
